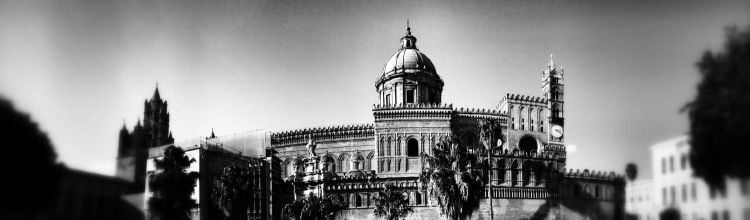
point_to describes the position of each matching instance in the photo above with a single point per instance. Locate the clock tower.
(553, 89)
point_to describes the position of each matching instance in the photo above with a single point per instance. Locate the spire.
(212, 134)
(551, 61)
(408, 29)
(124, 125)
(156, 93)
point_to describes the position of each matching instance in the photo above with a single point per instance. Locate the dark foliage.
(718, 114)
(32, 173)
(231, 193)
(669, 214)
(312, 208)
(391, 204)
(456, 189)
(172, 186)
(631, 171)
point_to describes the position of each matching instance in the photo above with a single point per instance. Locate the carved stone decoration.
(311, 145)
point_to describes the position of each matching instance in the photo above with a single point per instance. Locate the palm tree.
(489, 134)
(391, 204)
(456, 189)
(172, 186)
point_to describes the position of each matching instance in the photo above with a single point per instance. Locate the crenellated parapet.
(525, 98)
(301, 136)
(475, 113)
(592, 175)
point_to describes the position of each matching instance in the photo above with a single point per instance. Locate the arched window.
(512, 119)
(329, 164)
(523, 119)
(596, 192)
(344, 163)
(357, 200)
(514, 173)
(531, 119)
(412, 148)
(540, 118)
(556, 111)
(417, 198)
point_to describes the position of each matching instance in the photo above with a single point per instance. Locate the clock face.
(556, 131)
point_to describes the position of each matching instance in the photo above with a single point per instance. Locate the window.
(671, 164)
(412, 148)
(410, 96)
(725, 215)
(417, 198)
(388, 99)
(683, 162)
(664, 195)
(693, 191)
(714, 215)
(596, 192)
(523, 122)
(358, 200)
(673, 194)
(684, 193)
(664, 165)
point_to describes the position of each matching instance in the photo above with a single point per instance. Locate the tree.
(312, 208)
(30, 187)
(231, 193)
(391, 204)
(718, 114)
(631, 171)
(447, 179)
(172, 186)
(489, 133)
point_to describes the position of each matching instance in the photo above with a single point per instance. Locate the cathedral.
(525, 172)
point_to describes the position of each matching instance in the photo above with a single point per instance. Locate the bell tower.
(553, 90)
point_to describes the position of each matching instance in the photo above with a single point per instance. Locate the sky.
(82, 68)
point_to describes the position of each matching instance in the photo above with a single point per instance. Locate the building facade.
(673, 186)
(351, 163)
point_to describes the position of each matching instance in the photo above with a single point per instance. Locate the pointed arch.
(343, 163)
(515, 172)
(370, 162)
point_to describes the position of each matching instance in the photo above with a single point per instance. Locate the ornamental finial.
(408, 28)
(551, 61)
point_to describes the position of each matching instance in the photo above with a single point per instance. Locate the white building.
(674, 186)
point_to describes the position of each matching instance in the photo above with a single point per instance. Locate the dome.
(408, 60)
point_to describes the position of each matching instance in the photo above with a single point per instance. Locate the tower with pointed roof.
(156, 121)
(133, 146)
(553, 90)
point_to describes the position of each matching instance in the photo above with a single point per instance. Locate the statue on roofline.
(311, 147)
